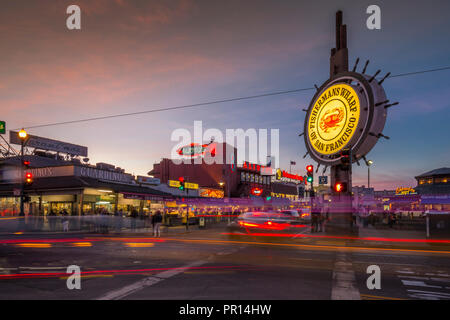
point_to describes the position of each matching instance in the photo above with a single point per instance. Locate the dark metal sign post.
(343, 123)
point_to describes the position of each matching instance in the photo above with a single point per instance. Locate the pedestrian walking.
(156, 222)
(52, 220)
(320, 222)
(391, 219)
(65, 223)
(134, 215)
(315, 216)
(118, 216)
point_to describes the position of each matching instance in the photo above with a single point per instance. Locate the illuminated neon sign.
(403, 191)
(283, 174)
(211, 193)
(256, 191)
(197, 150)
(264, 170)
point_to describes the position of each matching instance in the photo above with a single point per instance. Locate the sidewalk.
(383, 238)
(165, 230)
(391, 233)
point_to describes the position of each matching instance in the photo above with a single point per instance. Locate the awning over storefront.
(222, 202)
(409, 198)
(73, 184)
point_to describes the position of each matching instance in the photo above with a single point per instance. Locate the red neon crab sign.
(196, 150)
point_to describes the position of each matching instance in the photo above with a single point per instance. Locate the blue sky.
(138, 55)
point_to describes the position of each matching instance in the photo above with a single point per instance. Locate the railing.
(95, 223)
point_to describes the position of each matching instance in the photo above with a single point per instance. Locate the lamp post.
(22, 136)
(224, 185)
(369, 163)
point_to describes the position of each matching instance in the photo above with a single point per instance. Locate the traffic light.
(181, 179)
(340, 187)
(345, 159)
(26, 164)
(28, 178)
(309, 171)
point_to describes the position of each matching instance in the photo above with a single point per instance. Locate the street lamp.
(369, 163)
(22, 136)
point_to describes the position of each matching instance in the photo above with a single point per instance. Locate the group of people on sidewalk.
(156, 221)
(103, 225)
(318, 218)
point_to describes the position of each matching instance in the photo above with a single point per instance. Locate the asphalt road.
(206, 264)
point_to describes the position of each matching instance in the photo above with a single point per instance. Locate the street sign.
(2, 127)
(323, 179)
(174, 183)
(48, 144)
(187, 185)
(190, 185)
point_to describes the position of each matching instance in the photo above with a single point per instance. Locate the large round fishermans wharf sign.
(347, 112)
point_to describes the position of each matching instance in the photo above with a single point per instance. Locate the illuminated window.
(441, 180)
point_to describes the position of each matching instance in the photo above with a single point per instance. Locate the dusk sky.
(133, 56)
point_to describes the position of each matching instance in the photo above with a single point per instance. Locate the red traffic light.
(26, 162)
(28, 177)
(181, 179)
(309, 168)
(340, 187)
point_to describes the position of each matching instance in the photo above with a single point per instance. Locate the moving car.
(293, 213)
(264, 222)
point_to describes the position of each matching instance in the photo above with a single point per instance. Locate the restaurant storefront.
(81, 191)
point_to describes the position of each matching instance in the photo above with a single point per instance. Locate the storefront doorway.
(59, 207)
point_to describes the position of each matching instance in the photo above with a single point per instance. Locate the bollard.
(201, 222)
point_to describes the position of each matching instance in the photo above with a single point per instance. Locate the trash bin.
(437, 224)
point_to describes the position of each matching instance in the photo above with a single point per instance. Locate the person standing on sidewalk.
(315, 216)
(134, 215)
(157, 221)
